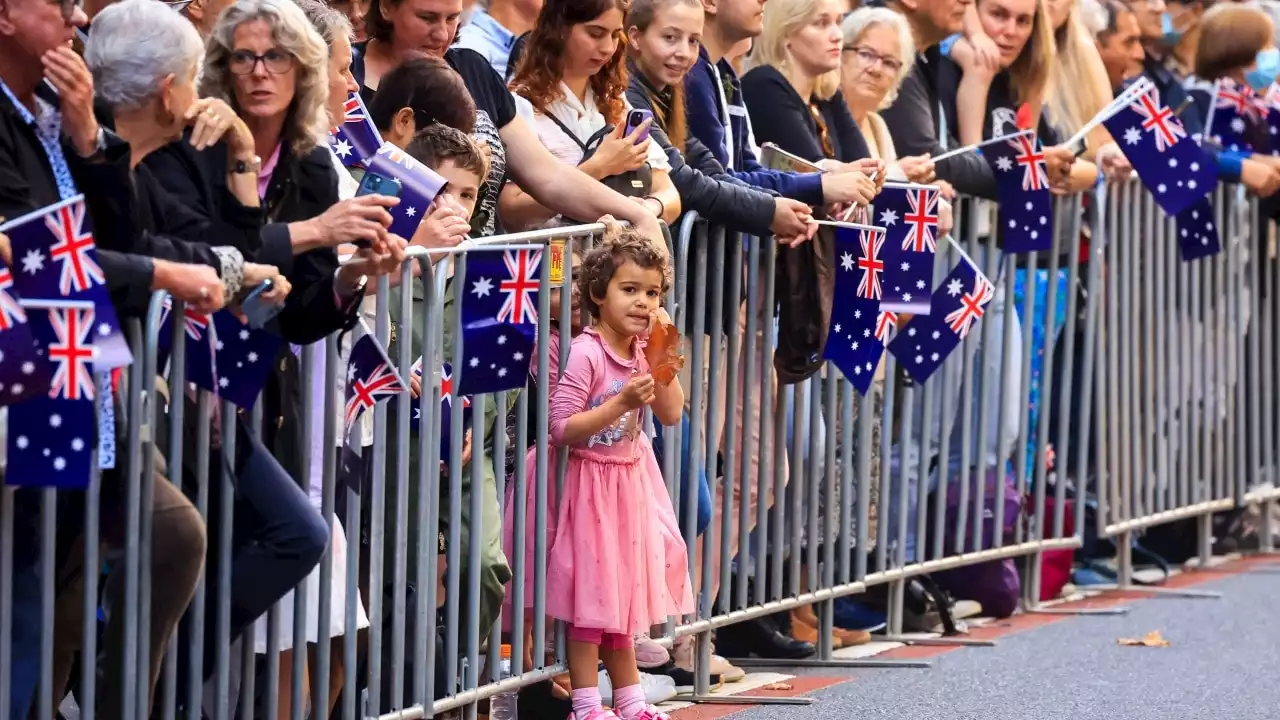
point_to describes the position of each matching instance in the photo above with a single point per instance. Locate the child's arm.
(571, 422)
(668, 403)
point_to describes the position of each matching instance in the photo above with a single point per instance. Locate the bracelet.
(662, 207)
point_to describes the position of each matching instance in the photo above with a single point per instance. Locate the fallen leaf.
(663, 353)
(780, 687)
(1151, 639)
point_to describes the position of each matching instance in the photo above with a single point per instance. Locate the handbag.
(632, 183)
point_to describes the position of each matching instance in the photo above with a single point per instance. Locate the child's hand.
(415, 386)
(638, 392)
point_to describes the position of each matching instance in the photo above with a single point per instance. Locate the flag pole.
(970, 148)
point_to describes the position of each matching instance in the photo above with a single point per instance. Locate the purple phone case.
(639, 116)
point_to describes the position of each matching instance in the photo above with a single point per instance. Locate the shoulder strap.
(565, 129)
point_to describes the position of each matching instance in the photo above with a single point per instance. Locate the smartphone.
(634, 119)
(258, 312)
(375, 184)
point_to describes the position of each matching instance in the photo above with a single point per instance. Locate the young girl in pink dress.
(617, 563)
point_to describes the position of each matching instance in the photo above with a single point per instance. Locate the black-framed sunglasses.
(277, 62)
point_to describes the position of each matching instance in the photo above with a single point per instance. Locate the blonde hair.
(1029, 73)
(863, 19)
(308, 120)
(1079, 88)
(781, 18)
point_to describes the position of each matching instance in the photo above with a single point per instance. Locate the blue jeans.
(278, 538)
(24, 675)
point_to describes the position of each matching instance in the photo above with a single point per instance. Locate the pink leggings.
(596, 636)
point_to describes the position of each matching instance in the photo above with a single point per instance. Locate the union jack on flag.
(856, 335)
(200, 366)
(1173, 167)
(11, 314)
(1240, 119)
(926, 341)
(499, 318)
(1022, 184)
(357, 138)
(520, 286)
(909, 215)
(80, 270)
(371, 379)
(869, 262)
(445, 424)
(55, 262)
(885, 323)
(72, 353)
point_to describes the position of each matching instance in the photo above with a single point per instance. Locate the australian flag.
(1197, 234)
(57, 260)
(356, 139)
(371, 378)
(418, 183)
(1026, 207)
(198, 334)
(51, 437)
(243, 358)
(446, 406)
(959, 303)
(1173, 167)
(909, 215)
(855, 340)
(499, 319)
(1240, 119)
(24, 372)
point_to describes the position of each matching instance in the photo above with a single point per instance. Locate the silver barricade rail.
(1151, 371)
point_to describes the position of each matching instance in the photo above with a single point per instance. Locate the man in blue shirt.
(493, 31)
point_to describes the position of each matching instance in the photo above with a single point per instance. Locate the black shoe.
(760, 638)
(681, 676)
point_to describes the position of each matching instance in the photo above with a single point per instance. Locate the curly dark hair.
(541, 67)
(618, 246)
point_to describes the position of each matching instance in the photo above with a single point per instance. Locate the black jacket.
(780, 116)
(301, 188)
(914, 122)
(27, 184)
(703, 184)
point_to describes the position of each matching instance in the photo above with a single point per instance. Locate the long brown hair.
(668, 113)
(541, 68)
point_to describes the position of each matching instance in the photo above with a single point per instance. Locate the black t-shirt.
(495, 108)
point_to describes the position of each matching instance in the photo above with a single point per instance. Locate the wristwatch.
(247, 167)
(346, 295)
(100, 148)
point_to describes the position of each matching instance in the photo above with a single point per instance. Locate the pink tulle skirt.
(617, 561)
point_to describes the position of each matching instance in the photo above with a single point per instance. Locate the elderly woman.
(144, 59)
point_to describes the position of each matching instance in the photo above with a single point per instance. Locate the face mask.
(1169, 35)
(1261, 77)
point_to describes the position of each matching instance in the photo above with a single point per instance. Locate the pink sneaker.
(650, 713)
(600, 713)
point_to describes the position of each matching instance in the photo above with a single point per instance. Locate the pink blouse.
(594, 375)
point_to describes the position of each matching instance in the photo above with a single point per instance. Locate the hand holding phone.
(636, 118)
(258, 310)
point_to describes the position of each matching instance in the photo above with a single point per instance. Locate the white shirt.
(584, 119)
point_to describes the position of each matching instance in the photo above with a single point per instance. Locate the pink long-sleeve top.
(594, 375)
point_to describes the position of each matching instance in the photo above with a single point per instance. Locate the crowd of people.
(197, 133)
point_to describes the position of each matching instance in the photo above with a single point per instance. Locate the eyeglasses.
(870, 58)
(277, 62)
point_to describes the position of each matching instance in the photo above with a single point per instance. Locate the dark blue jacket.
(707, 123)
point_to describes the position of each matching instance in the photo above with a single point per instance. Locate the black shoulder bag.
(632, 183)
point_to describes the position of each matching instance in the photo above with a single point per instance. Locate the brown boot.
(804, 632)
(841, 637)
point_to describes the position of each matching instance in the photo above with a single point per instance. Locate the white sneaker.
(657, 688)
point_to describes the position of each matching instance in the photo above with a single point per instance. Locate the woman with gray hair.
(144, 59)
(876, 56)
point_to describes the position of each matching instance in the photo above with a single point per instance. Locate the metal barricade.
(1150, 370)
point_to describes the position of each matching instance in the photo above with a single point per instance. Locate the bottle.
(503, 705)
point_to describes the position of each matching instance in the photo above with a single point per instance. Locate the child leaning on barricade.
(457, 158)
